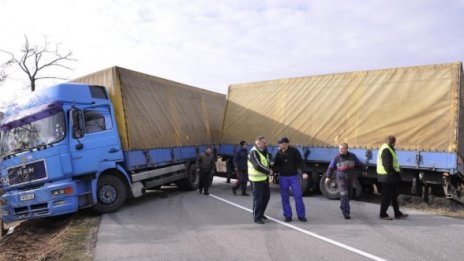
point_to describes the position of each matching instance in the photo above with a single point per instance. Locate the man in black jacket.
(388, 170)
(205, 167)
(241, 168)
(290, 165)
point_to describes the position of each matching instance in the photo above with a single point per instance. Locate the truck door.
(94, 139)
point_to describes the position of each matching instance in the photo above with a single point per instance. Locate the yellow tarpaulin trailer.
(152, 112)
(421, 105)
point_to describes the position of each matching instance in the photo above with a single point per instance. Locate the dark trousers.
(389, 195)
(205, 177)
(242, 180)
(285, 183)
(345, 186)
(261, 196)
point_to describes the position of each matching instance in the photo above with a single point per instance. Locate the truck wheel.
(313, 183)
(329, 190)
(368, 189)
(357, 188)
(192, 180)
(213, 173)
(111, 194)
(304, 185)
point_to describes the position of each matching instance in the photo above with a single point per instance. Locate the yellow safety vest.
(380, 169)
(254, 174)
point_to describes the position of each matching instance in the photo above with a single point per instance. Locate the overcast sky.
(213, 43)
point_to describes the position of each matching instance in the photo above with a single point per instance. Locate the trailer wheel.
(192, 180)
(313, 183)
(357, 188)
(213, 173)
(304, 185)
(329, 190)
(111, 194)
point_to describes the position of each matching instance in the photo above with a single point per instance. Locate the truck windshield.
(33, 134)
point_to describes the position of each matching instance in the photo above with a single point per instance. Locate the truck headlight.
(62, 191)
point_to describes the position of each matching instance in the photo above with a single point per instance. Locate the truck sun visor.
(30, 115)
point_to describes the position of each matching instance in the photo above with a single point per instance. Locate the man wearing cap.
(388, 171)
(205, 167)
(289, 164)
(241, 168)
(344, 165)
(259, 168)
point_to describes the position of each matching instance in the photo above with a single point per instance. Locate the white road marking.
(309, 233)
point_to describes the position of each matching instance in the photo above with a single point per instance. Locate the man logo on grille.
(23, 161)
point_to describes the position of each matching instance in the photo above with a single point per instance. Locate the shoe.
(245, 194)
(347, 217)
(402, 216)
(386, 218)
(302, 219)
(234, 191)
(259, 221)
(288, 219)
(264, 217)
(200, 191)
(206, 193)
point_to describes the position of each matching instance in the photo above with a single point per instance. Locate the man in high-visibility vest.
(388, 171)
(259, 168)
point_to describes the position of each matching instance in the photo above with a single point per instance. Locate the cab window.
(97, 119)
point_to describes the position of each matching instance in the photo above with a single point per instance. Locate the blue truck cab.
(50, 156)
(61, 152)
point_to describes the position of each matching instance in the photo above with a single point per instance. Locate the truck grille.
(26, 173)
(32, 211)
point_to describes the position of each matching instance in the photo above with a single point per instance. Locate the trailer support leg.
(426, 193)
(2, 228)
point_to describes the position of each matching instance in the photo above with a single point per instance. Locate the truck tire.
(192, 180)
(213, 173)
(111, 194)
(330, 190)
(357, 188)
(304, 185)
(313, 183)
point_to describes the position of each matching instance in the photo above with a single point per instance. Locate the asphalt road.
(175, 225)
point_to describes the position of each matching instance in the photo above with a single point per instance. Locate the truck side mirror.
(78, 124)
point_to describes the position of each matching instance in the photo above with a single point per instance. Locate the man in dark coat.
(291, 167)
(241, 168)
(205, 164)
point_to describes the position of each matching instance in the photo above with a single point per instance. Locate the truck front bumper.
(40, 202)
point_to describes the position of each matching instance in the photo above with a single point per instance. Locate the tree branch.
(33, 60)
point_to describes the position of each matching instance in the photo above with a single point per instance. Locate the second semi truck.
(422, 105)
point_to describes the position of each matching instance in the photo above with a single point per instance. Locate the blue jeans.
(285, 182)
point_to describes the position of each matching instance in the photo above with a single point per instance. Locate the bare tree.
(35, 59)
(3, 68)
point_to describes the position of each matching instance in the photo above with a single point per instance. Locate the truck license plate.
(26, 197)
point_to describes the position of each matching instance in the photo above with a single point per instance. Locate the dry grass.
(436, 205)
(65, 238)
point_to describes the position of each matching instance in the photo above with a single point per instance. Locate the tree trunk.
(32, 85)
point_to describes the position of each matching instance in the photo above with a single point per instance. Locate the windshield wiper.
(39, 147)
(12, 153)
